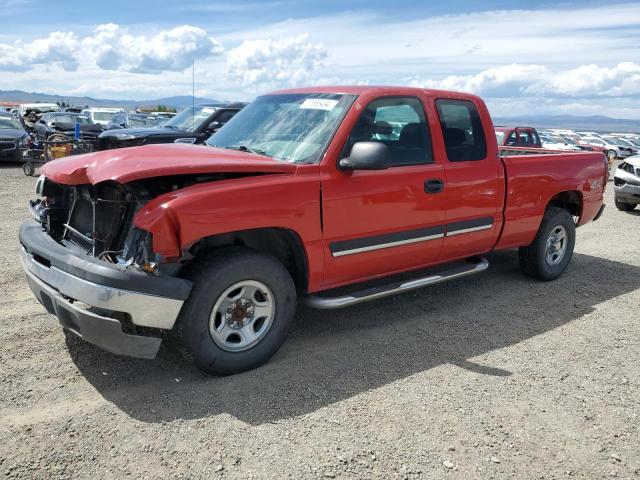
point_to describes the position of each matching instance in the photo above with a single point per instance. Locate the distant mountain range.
(597, 123)
(19, 96)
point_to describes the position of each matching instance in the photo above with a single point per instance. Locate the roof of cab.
(375, 89)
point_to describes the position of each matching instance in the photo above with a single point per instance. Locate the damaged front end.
(91, 268)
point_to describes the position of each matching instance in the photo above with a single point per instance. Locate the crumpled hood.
(125, 165)
(633, 160)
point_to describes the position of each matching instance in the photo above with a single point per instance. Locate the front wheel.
(624, 207)
(239, 313)
(547, 257)
(28, 169)
(611, 154)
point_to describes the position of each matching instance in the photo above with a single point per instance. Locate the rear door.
(474, 179)
(378, 222)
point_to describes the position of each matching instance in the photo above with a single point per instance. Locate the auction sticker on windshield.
(319, 104)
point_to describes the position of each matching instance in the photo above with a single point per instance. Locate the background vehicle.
(29, 113)
(13, 138)
(163, 114)
(191, 125)
(623, 143)
(101, 116)
(612, 149)
(305, 192)
(554, 142)
(518, 137)
(37, 107)
(132, 120)
(65, 123)
(626, 184)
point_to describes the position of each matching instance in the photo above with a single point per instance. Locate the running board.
(471, 266)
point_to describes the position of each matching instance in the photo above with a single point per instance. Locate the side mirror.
(367, 156)
(189, 141)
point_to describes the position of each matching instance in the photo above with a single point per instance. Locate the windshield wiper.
(244, 148)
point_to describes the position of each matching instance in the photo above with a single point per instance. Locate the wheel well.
(281, 243)
(570, 200)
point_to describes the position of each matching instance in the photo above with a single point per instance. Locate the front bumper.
(95, 299)
(627, 193)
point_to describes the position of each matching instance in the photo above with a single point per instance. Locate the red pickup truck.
(327, 195)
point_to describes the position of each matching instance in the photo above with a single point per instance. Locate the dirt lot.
(494, 376)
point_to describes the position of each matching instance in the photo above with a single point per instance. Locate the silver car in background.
(626, 184)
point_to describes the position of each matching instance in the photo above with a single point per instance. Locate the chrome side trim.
(317, 301)
(386, 245)
(468, 230)
(145, 310)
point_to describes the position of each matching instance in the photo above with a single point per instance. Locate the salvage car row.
(40, 132)
(614, 145)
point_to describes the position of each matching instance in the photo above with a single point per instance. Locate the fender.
(531, 186)
(179, 219)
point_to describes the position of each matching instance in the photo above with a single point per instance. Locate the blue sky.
(522, 57)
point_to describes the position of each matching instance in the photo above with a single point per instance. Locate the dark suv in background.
(192, 125)
(13, 138)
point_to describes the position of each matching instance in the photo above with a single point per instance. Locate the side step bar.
(473, 265)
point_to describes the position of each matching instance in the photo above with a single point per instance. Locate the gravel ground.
(493, 376)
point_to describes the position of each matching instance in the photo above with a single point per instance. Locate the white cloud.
(59, 48)
(114, 48)
(283, 62)
(516, 80)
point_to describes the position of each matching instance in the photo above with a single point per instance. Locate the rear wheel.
(547, 257)
(624, 207)
(239, 313)
(611, 154)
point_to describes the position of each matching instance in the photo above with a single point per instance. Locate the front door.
(378, 222)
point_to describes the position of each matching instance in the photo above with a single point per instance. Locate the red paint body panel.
(129, 164)
(322, 204)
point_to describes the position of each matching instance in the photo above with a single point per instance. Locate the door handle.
(434, 185)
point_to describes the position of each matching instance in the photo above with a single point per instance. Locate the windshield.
(569, 141)
(142, 122)
(191, 118)
(103, 116)
(7, 123)
(500, 137)
(69, 119)
(293, 127)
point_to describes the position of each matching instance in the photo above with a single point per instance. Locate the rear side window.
(462, 130)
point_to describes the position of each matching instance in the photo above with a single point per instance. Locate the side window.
(512, 139)
(400, 124)
(462, 130)
(536, 139)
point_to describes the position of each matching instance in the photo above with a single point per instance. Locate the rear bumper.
(88, 296)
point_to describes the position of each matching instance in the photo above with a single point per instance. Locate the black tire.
(624, 207)
(29, 169)
(533, 261)
(611, 154)
(214, 274)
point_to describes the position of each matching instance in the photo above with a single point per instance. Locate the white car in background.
(626, 184)
(625, 148)
(612, 150)
(554, 142)
(101, 116)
